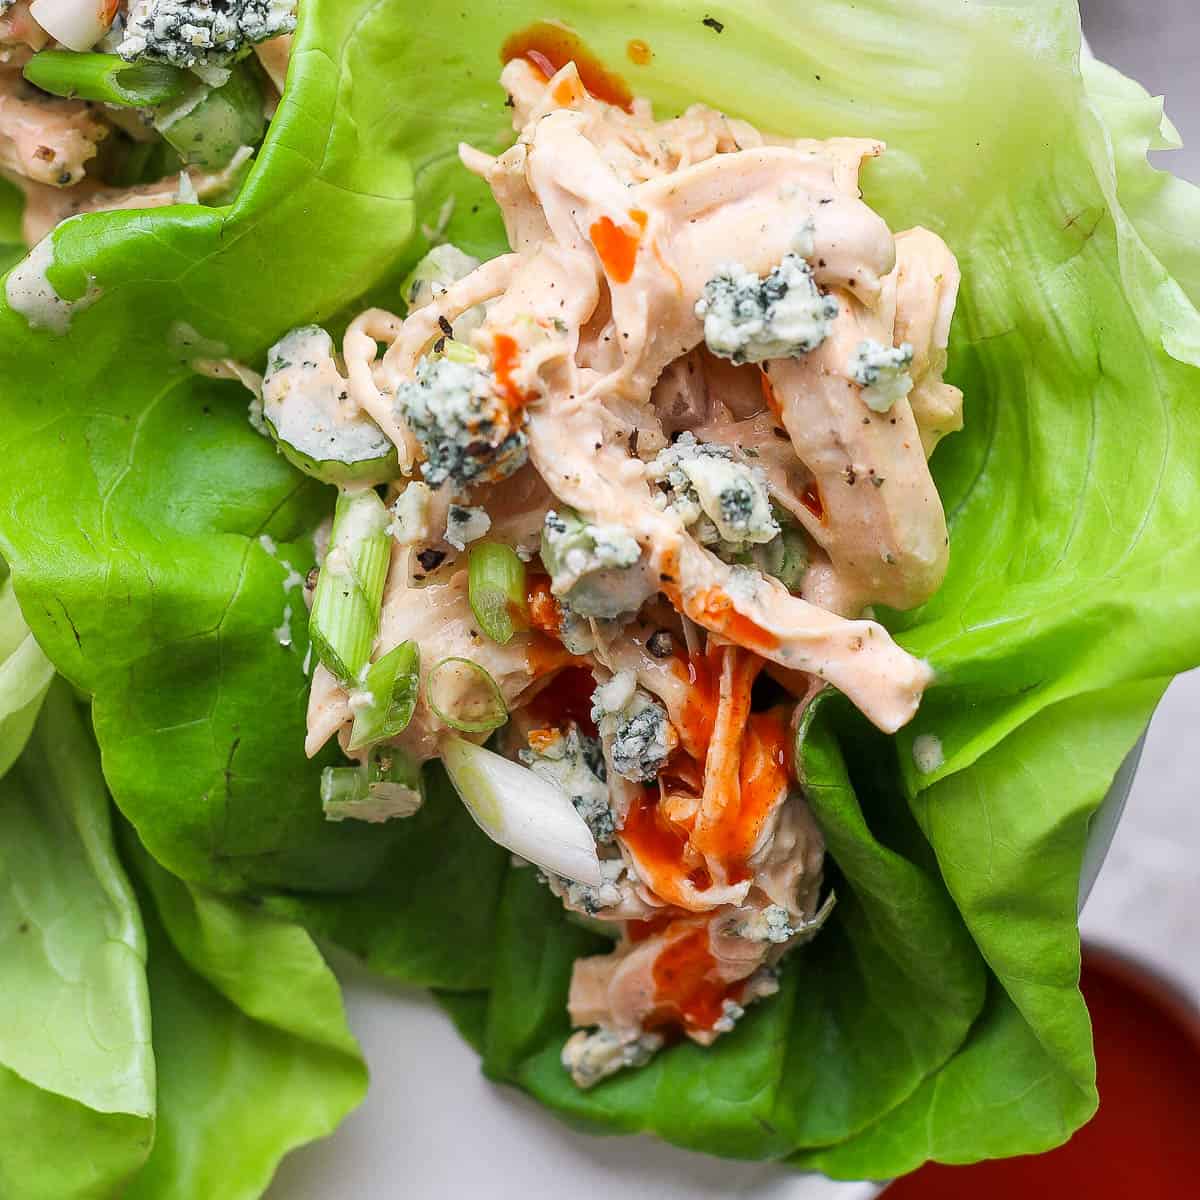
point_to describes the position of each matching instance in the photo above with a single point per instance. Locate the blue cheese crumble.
(751, 319)
(882, 372)
(583, 897)
(202, 33)
(465, 525)
(461, 423)
(575, 763)
(720, 499)
(636, 727)
(590, 565)
(591, 1057)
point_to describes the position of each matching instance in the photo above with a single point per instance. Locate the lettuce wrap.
(153, 537)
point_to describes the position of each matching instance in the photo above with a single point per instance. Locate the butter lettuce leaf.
(255, 1057)
(136, 500)
(76, 1066)
(25, 675)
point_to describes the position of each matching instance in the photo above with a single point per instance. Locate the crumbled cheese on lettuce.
(465, 525)
(591, 1057)
(882, 372)
(590, 565)
(719, 498)
(636, 727)
(575, 763)
(202, 33)
(751, 319)
(461, 423)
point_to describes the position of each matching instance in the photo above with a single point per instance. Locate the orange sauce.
(550, 46)
(684, 770)
(658, 846)
(544, 613)
(543, 655)
(540, 740)
(700, 704)
(504, 362)
(567, 92)
(712, 608)
(617, 247)
(639, 52)
(685, 986)
(763, 779)
(811, 499)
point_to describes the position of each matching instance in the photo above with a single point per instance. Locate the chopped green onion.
(522, 811)
(388, 784)
(208, 126)
(342, 785)
(464, 696)
(345, 611)
(105, 77)
(392, 684)
(459, 352)
(496, 589)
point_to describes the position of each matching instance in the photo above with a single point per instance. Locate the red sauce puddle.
(550, 46)
(567, 697)
(1143, 1142)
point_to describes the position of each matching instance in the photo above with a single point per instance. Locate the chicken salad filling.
(618, 503)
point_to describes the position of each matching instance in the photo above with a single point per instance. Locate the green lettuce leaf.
(12, 205)
(25, 675)
(151, 586)
(446, 936)
(1009, 833)
(76, 1066)
(254, 1055)
(190, 1079)
(136, 496)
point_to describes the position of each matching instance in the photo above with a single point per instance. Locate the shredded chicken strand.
(698, 326)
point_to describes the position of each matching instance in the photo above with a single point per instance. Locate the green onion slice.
(392, 684)
(345, 612)
(388, 784)
(464, 696)
(496, 590)
(104, 77)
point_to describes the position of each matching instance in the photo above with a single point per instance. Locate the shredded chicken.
(692, 315)
(45, 139)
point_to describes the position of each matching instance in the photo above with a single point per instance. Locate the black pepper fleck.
(439, 345)
(661, 644)
(713, 24)
(431, 559)
(445, 326)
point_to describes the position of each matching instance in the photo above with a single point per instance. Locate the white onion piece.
(522, 811)
(77, 24)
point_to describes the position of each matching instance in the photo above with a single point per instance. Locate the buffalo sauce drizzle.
(550, 46)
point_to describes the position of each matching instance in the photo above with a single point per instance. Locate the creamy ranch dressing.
(29, 291)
